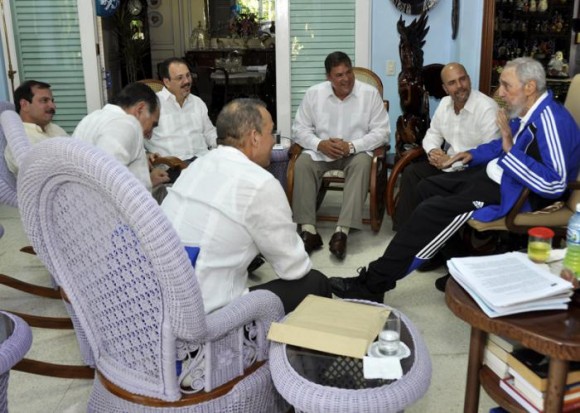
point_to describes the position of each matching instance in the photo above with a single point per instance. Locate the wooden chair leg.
(28, 250)
(58, 323)
(63, 371)
(29, 288)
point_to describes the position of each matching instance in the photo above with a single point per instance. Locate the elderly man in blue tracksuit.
(539, 149)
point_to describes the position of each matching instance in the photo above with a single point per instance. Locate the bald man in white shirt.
(231, 208)
(463, 120)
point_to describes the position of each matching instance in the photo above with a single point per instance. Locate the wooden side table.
(553, 333)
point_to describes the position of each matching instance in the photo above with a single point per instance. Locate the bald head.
(452, 67)
(456, 83)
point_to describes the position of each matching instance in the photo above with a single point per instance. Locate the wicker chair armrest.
(516, 210)
(259, 305)
(170, 161)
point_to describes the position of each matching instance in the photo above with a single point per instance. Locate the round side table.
(316, 382)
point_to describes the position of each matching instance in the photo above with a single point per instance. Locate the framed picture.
(153, 4)
(155, 19)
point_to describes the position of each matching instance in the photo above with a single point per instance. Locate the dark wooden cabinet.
(512, 28)
(266, 91)
(250, 57)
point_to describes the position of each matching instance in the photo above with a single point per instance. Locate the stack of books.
(523, 375)
(510, 283)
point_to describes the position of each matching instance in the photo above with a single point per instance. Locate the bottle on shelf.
(572, 258)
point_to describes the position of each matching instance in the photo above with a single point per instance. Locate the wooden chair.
(12, 133)
(154, 84)
(555, 216)
(334, 180)
(432, 82)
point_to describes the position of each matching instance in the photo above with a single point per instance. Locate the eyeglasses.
(181, 77)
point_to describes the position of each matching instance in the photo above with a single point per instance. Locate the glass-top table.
(317, 382)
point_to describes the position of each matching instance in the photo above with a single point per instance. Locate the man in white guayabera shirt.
(184, 128)
(339, 123)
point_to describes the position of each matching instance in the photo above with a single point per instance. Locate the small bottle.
(572, 258)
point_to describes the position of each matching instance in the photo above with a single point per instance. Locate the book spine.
(496, 365)
(514, 394)
(497, 350)
(527, 374)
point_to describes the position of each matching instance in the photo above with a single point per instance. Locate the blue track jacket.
(545, 156)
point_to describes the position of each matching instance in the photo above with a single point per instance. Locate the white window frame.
(283, 85)
(92, 68)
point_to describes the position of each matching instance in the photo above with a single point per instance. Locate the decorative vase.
(543, 5)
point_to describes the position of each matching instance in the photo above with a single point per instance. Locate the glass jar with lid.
(199, 38)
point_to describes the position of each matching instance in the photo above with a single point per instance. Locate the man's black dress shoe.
(441, 283)
(337, 245)
(311, 241)
(354, 288)
(256, 263)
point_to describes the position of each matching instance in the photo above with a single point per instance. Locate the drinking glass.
(389, 336)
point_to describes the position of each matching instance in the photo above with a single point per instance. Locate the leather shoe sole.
(441, 283)
(311, 241)
(352, 288)
(337, 245)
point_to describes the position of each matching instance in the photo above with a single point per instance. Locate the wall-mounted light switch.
(391, 67)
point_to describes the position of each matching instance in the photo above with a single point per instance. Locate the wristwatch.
(351, 149)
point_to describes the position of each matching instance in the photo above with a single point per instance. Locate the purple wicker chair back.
(7, 179)
(132, 286)
(15, 341)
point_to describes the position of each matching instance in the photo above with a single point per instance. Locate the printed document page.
(507, 279)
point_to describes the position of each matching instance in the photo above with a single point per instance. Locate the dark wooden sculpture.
(454, 19)
(414, 122)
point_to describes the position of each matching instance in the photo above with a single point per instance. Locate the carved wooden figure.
(414, 122)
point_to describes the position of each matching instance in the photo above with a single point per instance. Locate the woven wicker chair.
(334, 180)
(134, 291)
(7, 179)
(11, 129)
(11, 126)
(15, 341)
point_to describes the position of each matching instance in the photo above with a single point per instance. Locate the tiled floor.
(446, 336)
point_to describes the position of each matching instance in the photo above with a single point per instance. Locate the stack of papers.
(510, 284)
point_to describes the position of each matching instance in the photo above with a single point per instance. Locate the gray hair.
(528, 69)
(237, 119)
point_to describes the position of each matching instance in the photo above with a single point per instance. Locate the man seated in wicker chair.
(539, 149)
(338, 123)
(464, 119)
(230, 207)
(34, 103)
(185, 130)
